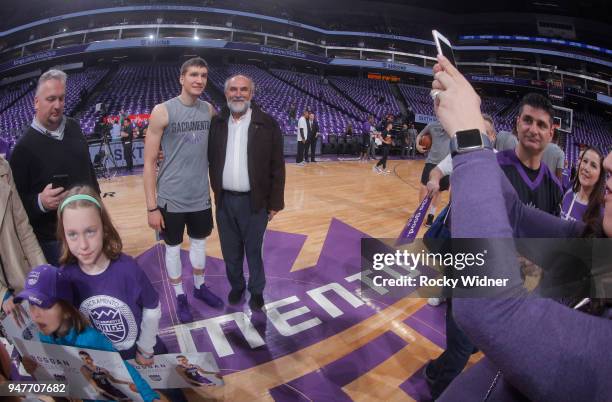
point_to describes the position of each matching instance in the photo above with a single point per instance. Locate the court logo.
(303, 307)
(113, 318)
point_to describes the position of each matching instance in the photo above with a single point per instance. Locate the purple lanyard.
(414, 223)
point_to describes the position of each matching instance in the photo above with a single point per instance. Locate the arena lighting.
(196, 37)
(151, 36)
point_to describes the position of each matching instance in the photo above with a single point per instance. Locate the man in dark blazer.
(247, 175)
(313, 137)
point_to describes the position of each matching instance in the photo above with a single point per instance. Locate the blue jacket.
(90, 338)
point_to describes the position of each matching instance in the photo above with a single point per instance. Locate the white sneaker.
(375, 169)
(434, 301)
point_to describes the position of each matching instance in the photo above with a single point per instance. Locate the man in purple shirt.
(536, 187)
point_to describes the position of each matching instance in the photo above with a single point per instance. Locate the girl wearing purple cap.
(584, 202)
(48, 293)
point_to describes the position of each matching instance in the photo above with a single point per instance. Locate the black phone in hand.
(59, 180)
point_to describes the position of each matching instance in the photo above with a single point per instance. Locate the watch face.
(469, 139)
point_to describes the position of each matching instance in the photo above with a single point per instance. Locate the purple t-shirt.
(113, 300)
(571, 208)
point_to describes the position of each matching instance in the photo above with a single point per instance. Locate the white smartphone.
(444, 46)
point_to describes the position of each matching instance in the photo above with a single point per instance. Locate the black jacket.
(266, 161)
(34, 161)
(314, 129)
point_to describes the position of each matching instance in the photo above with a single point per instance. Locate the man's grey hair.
(227, 81)
(489, 119)
(51, 75)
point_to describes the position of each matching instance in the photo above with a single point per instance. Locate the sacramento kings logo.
(193, 137)
(33, 278)
(113, 318)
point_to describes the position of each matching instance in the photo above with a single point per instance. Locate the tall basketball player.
(179, 196)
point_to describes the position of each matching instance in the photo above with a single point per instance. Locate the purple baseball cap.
(44, 286)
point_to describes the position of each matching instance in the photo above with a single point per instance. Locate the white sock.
(178, 289)
(198, 280)
(432, 210)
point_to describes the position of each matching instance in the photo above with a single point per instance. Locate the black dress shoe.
(429, 220)
(234, 296)
(256, 302)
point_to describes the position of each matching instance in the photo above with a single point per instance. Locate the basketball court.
(318, 338)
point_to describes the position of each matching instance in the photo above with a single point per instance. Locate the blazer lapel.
(223, 142)
(251, 143)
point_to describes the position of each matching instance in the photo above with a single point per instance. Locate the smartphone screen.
(59, 180)
(447, 52)
(443, 46)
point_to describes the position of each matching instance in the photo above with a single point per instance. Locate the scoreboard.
(555, 89)
(383, 77)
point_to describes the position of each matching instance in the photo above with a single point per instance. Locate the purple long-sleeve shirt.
(545, 350)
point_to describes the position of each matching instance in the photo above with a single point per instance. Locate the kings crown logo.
(113, 318)
(33, 278)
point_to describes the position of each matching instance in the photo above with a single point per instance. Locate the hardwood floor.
(377, 205)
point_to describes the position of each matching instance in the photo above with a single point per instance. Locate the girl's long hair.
(592, 216)
(75, 318)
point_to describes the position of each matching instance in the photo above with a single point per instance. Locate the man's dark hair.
(537, 101)
(193, 62)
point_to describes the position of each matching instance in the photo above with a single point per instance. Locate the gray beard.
(235, 108)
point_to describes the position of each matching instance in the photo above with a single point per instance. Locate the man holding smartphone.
(40, 160)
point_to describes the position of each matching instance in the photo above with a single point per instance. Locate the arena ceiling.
(17, 12)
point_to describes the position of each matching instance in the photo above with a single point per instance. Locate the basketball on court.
(425, 141)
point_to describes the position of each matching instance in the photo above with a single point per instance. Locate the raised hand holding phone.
(457, 105)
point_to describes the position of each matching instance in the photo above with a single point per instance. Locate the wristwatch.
(468, 141)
